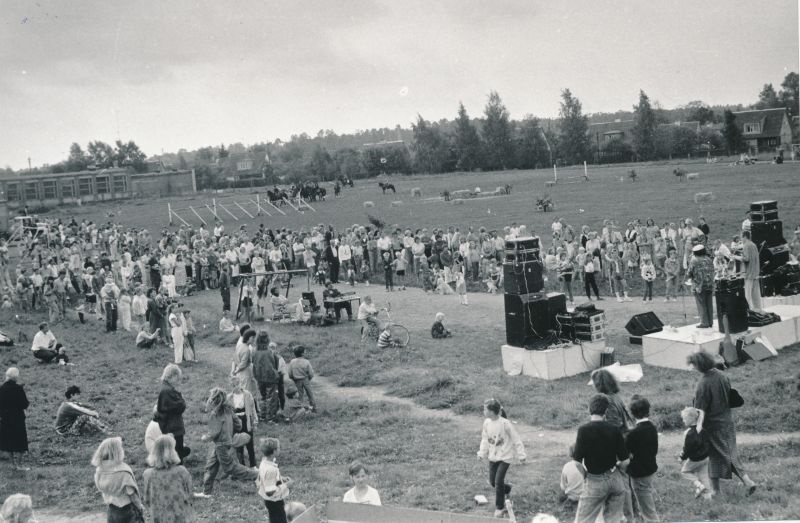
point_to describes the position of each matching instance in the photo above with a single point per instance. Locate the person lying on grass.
(437, 329)
(76, 419)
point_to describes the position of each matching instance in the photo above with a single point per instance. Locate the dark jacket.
(642, 443)
(265, 367)
(13, 402)
(170, 410)
(695, 446)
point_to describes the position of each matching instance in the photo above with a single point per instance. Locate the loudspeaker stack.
(530, 314)
(766, 231)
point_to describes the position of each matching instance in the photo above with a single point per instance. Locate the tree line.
(491, 142)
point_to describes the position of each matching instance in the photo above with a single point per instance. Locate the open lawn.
(420, 457)
(657, 193)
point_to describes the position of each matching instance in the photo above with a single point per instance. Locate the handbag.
(735, 400)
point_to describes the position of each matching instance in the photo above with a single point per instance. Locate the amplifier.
(765, 205)
(767, 233)
(523, 277)
(728, 284)
(735, 306)
(763, 216)
(767, 285)
(773, 257)
(527, 318)
(523, 243)
(788, 274)
(524, 255)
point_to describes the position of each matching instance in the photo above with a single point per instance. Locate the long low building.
(51, 190)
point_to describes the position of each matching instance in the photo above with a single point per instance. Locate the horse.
(386, 186)
(337, 189)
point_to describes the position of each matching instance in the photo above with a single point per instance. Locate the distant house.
(243, 166)
(605, 132)
(765, 130)
(693, 126)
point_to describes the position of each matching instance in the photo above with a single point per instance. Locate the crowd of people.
(128, 279)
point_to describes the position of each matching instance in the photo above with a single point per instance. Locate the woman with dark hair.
(711, 398)
(242, 367)
(617, 413)
(267, 374)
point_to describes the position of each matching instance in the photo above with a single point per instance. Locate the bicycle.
(399, 333)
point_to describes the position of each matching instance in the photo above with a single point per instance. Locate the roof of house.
(771, 121)
(615, 127)
(693, 125)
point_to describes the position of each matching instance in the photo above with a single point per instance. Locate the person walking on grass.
(272, 487)
(170, 408)
(694, 456)
(222, 422)
(500, 444)
(301, 372)
(13, 403)
(601, 448)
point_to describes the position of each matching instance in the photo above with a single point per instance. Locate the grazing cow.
(396, 203)
(681, 174)
(446, 195)
(692, 176)
(337, 189)
(386, 186)
(368, 204)
(416, 192)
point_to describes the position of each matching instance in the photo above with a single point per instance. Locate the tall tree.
(223, 153)
(644, 128)
(530, 145)
(499, 149)
(431, 151)
(101, 154)
(700, 112)
(768, 98)
(467, 142)
(129, 154)
(573, 140)
(321, 165)
(77, 160)
(732, 133)
(790, 93)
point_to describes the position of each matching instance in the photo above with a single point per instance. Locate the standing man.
(60, 291)
(109, 295)
(701, 272)
(601, 448)
(752, 270)
(225, 287)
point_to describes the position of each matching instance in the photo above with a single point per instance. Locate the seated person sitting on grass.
(572, 475)
(45, 348)
(437, 329)
(385, 339)
(145, 340)
(75, 419)
(293, 409)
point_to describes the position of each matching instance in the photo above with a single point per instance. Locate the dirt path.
(529, 433)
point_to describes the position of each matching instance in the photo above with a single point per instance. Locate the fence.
(236, 209)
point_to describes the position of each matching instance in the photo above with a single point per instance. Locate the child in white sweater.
(500, 444)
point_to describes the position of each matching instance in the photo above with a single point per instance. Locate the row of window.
(48, 189)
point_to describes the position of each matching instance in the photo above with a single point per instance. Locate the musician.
(329, 297)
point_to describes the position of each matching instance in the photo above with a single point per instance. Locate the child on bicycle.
(368, 316)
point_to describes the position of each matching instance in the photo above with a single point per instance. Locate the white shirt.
(344, 252)
(43, 340)
(370, 497)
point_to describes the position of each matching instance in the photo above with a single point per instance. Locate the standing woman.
(712, 399)
(13, 402)
(170, 408)
(116, 482)
(167, 489)
(176, 329)
(243, 363)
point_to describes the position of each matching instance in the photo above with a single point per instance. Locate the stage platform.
(771, 301)
(671, 348)
(555, 363)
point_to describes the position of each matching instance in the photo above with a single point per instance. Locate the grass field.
(420, 458)
(656, 194)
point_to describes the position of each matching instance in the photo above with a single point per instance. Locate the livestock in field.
(386, 186)
(416, 192)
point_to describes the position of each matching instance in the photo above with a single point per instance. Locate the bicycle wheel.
(400, 335)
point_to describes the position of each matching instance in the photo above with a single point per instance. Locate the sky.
(185, 74)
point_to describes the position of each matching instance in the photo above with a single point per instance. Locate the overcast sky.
(183, 74)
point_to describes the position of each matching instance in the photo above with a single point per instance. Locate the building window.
(102, 184)
(120, 184)
(68, 188)
(752, 128)
(12, 192)
(31, 190)
(244, 165)
(85, 186)
(773, 142)
(49, 189)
